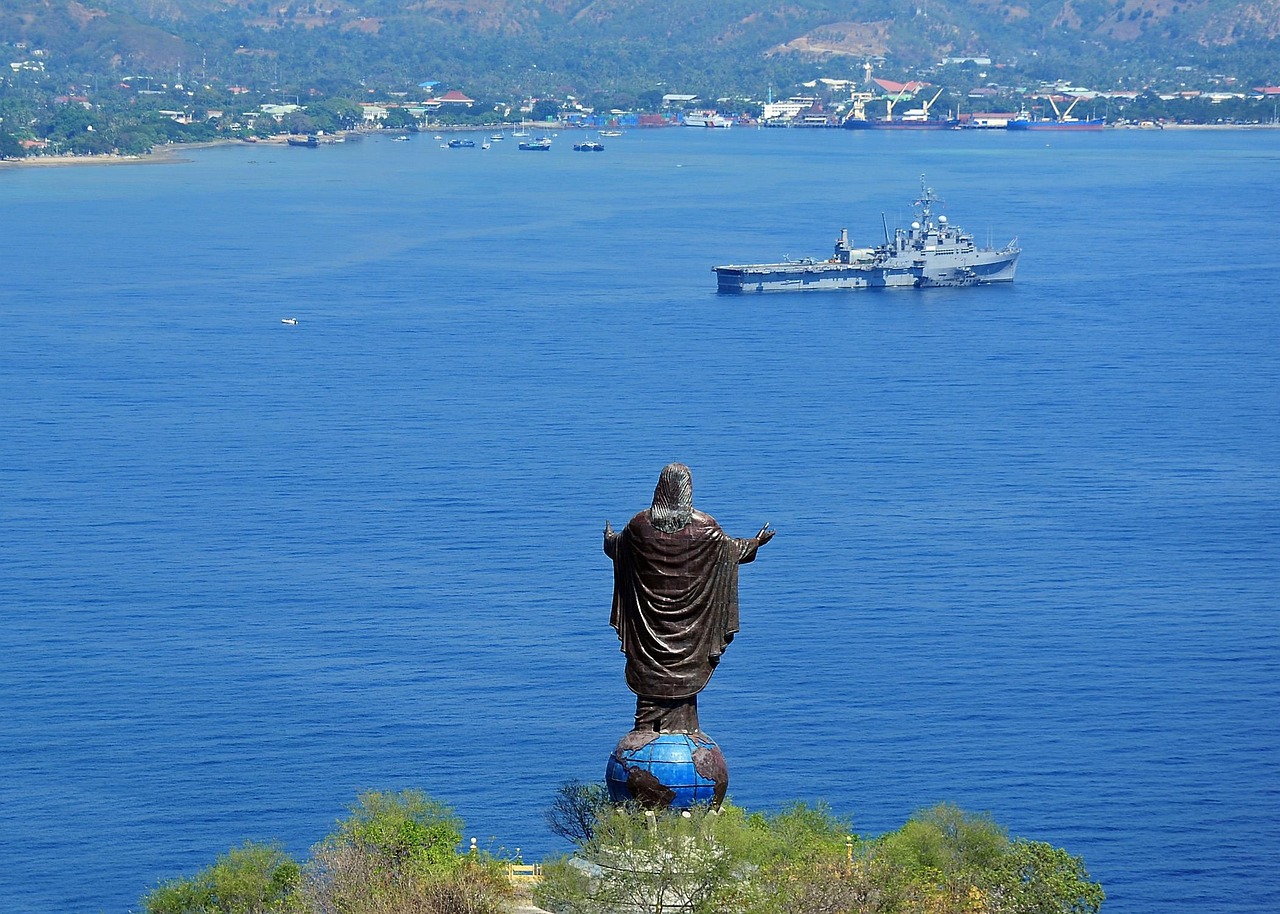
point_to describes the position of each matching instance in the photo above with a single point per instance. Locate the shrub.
(251, 879)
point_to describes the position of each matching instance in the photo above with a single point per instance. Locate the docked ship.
(932, 252)
(1062, 120)
(708, 119)
(910, 119)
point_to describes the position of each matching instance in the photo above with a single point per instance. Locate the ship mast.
(926, 201)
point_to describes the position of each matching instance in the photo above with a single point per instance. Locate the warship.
(932, 252)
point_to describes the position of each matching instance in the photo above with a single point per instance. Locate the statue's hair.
(672, 498)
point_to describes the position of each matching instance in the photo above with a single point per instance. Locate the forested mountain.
(630, 46)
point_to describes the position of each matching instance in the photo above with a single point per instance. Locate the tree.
(1041, 879)
(10, 148)
(577, 810)
(406, 831)
(251, 879)
(397, 852)
(399, 119)
(546, 109)
(947, 840)
(335, 114)
(644, 861)
(805, 860)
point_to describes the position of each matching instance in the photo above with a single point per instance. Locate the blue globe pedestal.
(661, 770)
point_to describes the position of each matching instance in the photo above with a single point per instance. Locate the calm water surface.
(1029, 545)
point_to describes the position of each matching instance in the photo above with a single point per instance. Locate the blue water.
(1029, 547)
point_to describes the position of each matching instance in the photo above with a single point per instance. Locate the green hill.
(729, 46)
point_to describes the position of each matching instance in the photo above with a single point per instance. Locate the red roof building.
(893, 88)
(454, 97)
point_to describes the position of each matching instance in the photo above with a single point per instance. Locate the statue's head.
(672, 498)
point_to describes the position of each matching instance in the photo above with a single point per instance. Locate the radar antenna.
(926, 201)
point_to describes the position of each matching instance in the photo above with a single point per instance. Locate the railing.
(524, 873)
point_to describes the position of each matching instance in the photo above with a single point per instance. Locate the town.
(42, 113)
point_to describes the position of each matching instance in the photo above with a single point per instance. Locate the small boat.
(497, 136)
(291, 321)
(439, 137)
(588, 146)
(611, 133)
(462, 144)
(403, 138)
(484, 145)
(310, 141)
(541, 144)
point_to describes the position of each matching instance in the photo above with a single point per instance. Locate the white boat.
(291, 321)
(708, 119)
(611, 133)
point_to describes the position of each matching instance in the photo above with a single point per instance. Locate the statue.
(675, 608)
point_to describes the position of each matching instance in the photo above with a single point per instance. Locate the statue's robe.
(675, 602)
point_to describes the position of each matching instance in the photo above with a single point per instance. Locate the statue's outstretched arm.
(747, 548)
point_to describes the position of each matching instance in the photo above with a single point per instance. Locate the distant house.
(906, 90)
(454, 97)
(372, 114)
(279, 111)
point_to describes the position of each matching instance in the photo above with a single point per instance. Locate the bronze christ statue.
(675, 600)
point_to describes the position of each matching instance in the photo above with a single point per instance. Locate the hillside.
(730, 46)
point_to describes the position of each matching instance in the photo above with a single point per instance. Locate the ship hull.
(856, 124)
(1091, 124)
(973, 269)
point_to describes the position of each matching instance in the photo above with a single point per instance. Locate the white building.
(789, 109)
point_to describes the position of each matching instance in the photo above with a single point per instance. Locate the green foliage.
(10, 148)
(398, 119)
(397, 854)
(1042, 879)
(805, 860)
(334, 114)
(251, 879)
(946, 840)
(545, 109)
(666, 861)
(405, 832)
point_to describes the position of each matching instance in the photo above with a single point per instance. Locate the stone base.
(660, 770)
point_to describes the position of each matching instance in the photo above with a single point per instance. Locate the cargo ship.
(931, 253)
(1062, 120)
(911, 119)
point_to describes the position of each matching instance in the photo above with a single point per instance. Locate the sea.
(1028, 549)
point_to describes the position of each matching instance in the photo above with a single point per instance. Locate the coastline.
(172, 154)
(169, 154)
